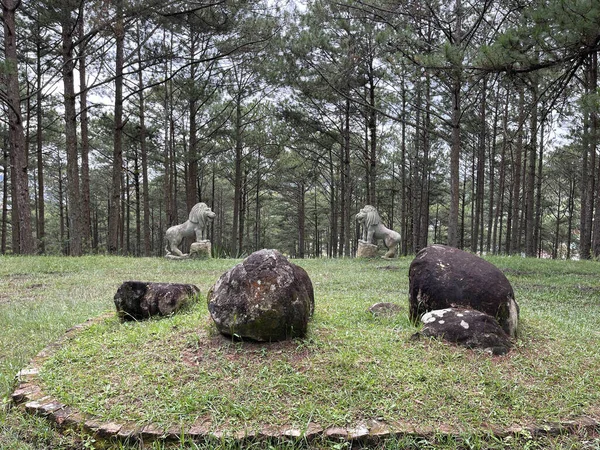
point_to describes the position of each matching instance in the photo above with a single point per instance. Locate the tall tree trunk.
(426, 176)
(301, 219)
(588, 168)
(85, 141)
(257, 228)
(144, 153)
(571, 208)
(345, 184)
(530, 178)
(4, 228)
(117, 168)
(492, 180)
(455, 143)
(61, 207)
(138, 208)
(593, 148)
(537, 232)
(191, 186)
(333, 210)
(372, 199)
(237, 181)
(417, 169)
(41, 203)
(480, 175)
(18, 148)
(403, 181)
(73, 189)
(516, 180)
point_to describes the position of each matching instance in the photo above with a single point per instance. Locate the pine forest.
(472, 123)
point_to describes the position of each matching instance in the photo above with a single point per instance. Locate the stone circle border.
(30, 397)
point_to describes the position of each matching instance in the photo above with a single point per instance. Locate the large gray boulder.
(443, 277)
(138, 300)
(466, 327)
(263, 298)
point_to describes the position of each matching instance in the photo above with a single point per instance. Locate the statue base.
(366, 250)
(201, 250)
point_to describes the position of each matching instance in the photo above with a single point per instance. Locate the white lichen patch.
(464, 324)
(432, 316)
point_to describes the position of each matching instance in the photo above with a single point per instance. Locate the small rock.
(385, 309)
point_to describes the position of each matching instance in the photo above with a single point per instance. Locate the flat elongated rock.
(466, 327)
(445, 277)
(137, 300)
(264, 298)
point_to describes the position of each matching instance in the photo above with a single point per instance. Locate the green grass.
(350, 368)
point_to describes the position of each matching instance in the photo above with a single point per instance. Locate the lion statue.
(373, 230)
(195, 227)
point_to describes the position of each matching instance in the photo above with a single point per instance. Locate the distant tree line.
(473, 124)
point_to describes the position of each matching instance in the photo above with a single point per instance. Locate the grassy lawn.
(351, 367)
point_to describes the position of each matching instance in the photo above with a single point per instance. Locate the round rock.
(445, 277)
(466, 327)
(385, 309)
(263, 298)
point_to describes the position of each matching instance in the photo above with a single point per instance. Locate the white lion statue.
(195, 227)
(373, 230)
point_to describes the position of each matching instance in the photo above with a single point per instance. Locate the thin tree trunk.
(191, 187)
(372, 199)
(538, 202)
(74, 192)
(587, 172)
(144, 154)
(41, 203)
(456, 142)
(138, 214)
(345, 184)
(530, 179)
(492, 181)
(403, 181)
(117, 168)
(85, 142)
(333, 235)
(517, 167)
(4, 196)
(479, 190)
(417, 171)
(301, 219)
(237, 182)
(424, 216)
(571, 208)
(593, 149)
(61, 207)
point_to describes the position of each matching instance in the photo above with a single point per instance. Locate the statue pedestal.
(366, 250)
(201, 250)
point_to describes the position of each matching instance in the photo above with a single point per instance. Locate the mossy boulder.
(263, 298)
(443, 277)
